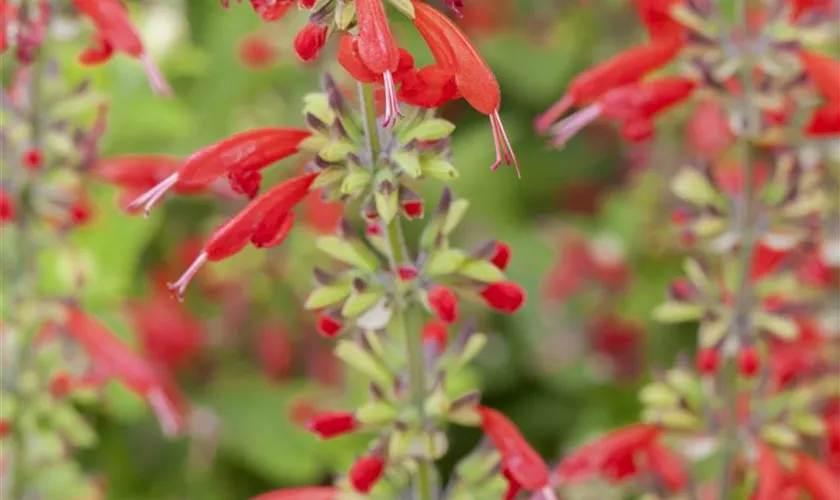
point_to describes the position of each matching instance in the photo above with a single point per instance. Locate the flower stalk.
(403, 328)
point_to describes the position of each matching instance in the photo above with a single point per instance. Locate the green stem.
(745, 225)
(402, 327)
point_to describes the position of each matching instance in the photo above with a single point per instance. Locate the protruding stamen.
(502, 143)
(567, 128)
(552, 114)
(148, 199)
(180, 286)
(156, 79)
(167, 414)
(392, 105)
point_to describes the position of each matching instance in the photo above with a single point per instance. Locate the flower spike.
(248, 151)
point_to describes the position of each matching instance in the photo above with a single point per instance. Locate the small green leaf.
(712, 331)
(318, 105)
(691, 185)
(431, 130)
(345, 14)
(376, 413)
(474, 345)
(70, 424)
(658, 394)
(326, 296)
(355, 180)
(808, 424)
(780, 326)
(335, 151)
(358, 303)
(780, 435)
(687, 385)
(481, 270)
(439, 168)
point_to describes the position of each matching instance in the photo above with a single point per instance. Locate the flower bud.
(366, 472)
(407, 272)
(331, 424)
(504, 296)
(443, 303)
(435, 333)
(748, 361)
(309, 41)
(501, 255)
(32, 159)
(707, 361)
(328, 326)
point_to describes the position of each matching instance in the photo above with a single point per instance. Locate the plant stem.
(403, 328)
(741, 323)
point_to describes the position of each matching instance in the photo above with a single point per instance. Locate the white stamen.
(156, 79)
(570, 126)
(180, 286)
(148, 199)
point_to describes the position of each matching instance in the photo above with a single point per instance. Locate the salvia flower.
(634, 106)
(366, 472)
(116, 33)
(332, 424)
(110, 356)
(519, 460)
(475, 81)
(264, 222)
(379, 52)
(237, 155)
(443, 303)
(622, 69)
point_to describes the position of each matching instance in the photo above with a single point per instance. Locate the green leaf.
(359, 303)
(431, 130)
(439, 168)
(677, 312)
(326, 296)
(353, 354)
(346, 252)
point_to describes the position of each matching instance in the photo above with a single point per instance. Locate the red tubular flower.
(666, 466)
(504, 296)
(513, 488)
(115, 33)
(522, 463)
(622, 69)
(305, 493)
(656, 16)
(112, 357)
(767, 260)
(475, 81)
(501, 255)
(366, 472)
(7, 207)
(824, 122)
(264, 222)
(824, 73)
(269, 10)
(444, 304)
(610, 456)
(379, 52)
(309, 41)
(141, 172)
(815, 478)
(770, 473)
(429, 87)
(248, 151)
(332, 424)
(435, 333)
(634, 105)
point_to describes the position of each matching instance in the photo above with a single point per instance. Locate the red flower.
(412, 209)
(366, 472)
(305, 493)
(770, 473)
(268, 10)
(309, 41)
(80, 211)
(767, 260)
(444, 304)
(748, 361)
(435, 333)
(322, 216)
(475, 82)
(797, 358)
(248, 151)
(635, 106)
(622, 69)
(613, 457)
(657, 18)
(519, 460)
(32, 158)
(824, 73)
(572, 271)
(111, 357)
(167, 332)
(501, 255)
(256, 51)
(332, 424)
(7, 207)
(619, 341)
(264, 222)
(328, 326)
(815, 478)
(504, 296)
(115, 33)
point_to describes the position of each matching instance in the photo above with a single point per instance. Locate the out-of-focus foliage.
(566, 366)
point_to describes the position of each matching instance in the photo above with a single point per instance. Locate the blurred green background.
(565, 367)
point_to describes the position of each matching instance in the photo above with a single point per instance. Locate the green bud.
(408, 162)
(478, 466)
(439, 168)
(351, 353)
(696, 274)
(376, 413)
(481, 270)
(358, 303)
(347, 252)
(431, 445)
(336, 150)
(430, 130)
(691, 185)
(693, 20)
(437, 403)
(456, 213)
(712, 331)
(318, 105)
(387, 205)
(328, 177)
(677, 312)
(808, 424)
(780, 435)
(345, 14)
(400, 442)
(708, 226)
(326, 296)
(445, 262)
(355, 180)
